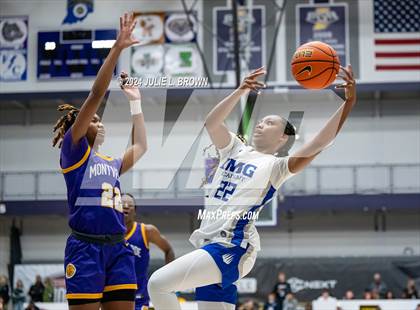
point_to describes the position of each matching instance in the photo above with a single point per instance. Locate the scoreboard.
(73, 54)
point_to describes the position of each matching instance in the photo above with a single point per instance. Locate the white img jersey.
(245, 180)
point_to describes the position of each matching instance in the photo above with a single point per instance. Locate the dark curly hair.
(64, 123)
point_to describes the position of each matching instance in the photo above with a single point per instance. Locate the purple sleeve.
(72, 153)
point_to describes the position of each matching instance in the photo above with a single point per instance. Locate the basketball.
(315, 65)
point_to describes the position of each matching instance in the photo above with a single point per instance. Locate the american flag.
(397, 34)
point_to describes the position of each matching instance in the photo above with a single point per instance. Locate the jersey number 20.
(111, 197)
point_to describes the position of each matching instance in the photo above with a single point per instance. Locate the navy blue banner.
(223, 42)
(326, 23)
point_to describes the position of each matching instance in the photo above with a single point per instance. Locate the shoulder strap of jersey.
(144, 235)
(131, 232)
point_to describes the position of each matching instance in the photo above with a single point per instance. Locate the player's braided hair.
(64, 123)
(289, 130)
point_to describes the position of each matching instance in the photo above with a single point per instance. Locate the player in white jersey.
(246, 178)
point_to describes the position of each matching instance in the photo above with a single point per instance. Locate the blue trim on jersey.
(227, 259)
(238, 232)
(215, 292)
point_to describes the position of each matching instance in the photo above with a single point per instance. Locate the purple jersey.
(93, 188)
(137, 240)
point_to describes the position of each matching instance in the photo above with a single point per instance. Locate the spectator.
(271, 303)
(249, 305)
(367, 295)
(31, 306)
(378, 285)
(349, 295)
(48, 295)
(389, 295)
(18, 296)
(410, 292)
(37, 290)
(290, 302)
(4, 291)
(375, 295)
(281, 289)
(325, 296)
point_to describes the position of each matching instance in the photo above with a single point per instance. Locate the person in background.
(37, 290)
(249, 305)
(281, 289)
(32, 306)
(271, 303)
(290, 302)
(389, 295)
(410, 292)
(4, 291)
(378, 286)
(367, 295)
(325, 296)
(48, 295)
(1, 303)
(349, 295)
(18, 296)
(375, 295)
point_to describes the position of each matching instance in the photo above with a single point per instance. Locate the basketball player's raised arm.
(138, 133)
(301, 158)
(100, 86)
(214, 123)
(154, 236)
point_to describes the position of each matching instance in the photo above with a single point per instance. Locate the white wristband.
(135, 107)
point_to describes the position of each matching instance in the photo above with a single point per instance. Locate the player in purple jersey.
(99, 266)
(138, 236)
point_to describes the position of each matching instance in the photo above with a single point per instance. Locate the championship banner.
(55, 272)
(179, 28)
(181, 60)
(327, 23)
(147, 61)
(13, 48)
(223, 47)
(166, 45)
(149, 28)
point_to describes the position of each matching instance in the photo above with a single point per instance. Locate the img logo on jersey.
(231, 165)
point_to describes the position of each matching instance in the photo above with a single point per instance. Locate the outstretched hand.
(131, 91)
(250, 82)
(125, 37)
(349, 86)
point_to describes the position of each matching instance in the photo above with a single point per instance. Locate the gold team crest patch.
(70, 270)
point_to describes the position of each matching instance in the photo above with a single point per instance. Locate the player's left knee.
(156, 283)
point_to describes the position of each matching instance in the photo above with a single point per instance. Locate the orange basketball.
(315, 65)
